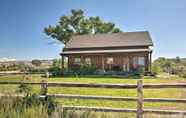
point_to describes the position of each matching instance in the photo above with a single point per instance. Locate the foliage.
(37, 70)
(175, 66)
(55, 70)
(83, 69)
(14, 67)
(91, 114)
(11, 107)
(108, 92)
(36, 62)
(141, 70)
(78, 24)
(56, 63)
(24, 88)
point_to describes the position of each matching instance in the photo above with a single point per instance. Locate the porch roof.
(106, 51)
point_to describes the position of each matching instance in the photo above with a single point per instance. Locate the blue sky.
(22, 23)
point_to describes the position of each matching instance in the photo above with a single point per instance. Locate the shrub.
(11, 107)
(55, 71)
(24, 88)
(83, 69)
(141, 70)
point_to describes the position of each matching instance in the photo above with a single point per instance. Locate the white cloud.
(6, 59)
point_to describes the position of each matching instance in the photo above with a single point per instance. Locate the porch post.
(150, 63)
(67, 63)
(62, 63)
(103, 63)
(146, 63)
(82, 59)
(130, 63)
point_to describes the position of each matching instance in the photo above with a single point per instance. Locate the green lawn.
(154, 93)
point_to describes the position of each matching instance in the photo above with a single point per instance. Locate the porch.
(122, 62)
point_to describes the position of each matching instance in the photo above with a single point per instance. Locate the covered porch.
(119, 61)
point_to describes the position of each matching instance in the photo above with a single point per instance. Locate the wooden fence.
(139, 99)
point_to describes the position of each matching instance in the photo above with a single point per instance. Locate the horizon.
(22, 23)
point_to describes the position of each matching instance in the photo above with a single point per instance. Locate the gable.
(124, 39)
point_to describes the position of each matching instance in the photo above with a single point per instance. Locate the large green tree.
(77, 24)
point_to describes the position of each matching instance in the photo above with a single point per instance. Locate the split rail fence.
(139, 99)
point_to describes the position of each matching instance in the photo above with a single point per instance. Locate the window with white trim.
(141, 61)
(88, 61)
(77, 60)
(138, 61)
(110, 60)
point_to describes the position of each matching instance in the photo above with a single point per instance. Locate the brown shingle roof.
(111, 40)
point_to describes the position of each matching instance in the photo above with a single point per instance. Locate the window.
(77, 60)
(88, 61)
(138, 61)
(135, 61)
(110, 60)
(141, 61)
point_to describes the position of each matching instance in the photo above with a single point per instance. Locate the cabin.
(127, 51)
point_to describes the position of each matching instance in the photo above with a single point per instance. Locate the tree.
(78, 24)
(178, 60)
(36, 62)
(56, 63)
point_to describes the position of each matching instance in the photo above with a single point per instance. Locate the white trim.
(107, 51)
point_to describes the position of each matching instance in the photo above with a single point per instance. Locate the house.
(127, 51)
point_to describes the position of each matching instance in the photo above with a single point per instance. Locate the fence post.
(43, 91)
(139, 99)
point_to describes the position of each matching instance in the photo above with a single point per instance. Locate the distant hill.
(7, 59)
(13, 65)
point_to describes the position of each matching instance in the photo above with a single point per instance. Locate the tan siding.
(119, 59)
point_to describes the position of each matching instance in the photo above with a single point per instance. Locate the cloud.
(6, 59)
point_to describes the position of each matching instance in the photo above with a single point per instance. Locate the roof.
(141, 38)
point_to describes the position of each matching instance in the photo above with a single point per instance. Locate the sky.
(22, 23)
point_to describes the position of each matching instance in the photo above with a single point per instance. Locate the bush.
(32, 70)
(24, 88)
(11, 107)
(83, 69)
(141, 70)
(55, 71)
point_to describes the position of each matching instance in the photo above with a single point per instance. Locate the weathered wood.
(11, 96)
(155, 111)
(163, 85)
(30, 83)
(113, 98)
(108, 109)
(119, 86)
(140, 99)
(43, 88)
(90, 85)
(116, 98)
(98, 109)
(164, 100)
(70, 96)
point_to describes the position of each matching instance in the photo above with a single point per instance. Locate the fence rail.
(107, 109)
(139, 99)
(90, 85)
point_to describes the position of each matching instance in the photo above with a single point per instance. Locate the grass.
(150, 93)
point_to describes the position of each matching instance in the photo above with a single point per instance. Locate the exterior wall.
(121, 59)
